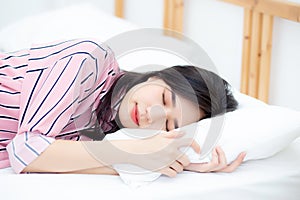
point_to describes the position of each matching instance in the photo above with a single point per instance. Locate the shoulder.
(47, 53)
(89, 45)
(78, 46)
(94, 49)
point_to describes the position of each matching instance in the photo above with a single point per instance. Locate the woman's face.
(152, 105)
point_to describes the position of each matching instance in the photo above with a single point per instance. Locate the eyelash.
(164, 102)
(163, 98)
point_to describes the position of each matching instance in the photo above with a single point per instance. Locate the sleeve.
(62, 79)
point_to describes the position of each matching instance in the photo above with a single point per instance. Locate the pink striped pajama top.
(50, 92)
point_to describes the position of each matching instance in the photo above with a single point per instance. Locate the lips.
(134, 115)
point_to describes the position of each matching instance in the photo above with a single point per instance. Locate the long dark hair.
(204, 88)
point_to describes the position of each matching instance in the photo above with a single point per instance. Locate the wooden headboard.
(257, 36)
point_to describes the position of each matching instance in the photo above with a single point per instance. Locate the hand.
(161, 153)
(218, 163)
(178, 165)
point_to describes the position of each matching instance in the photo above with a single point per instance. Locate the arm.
(218, 164)
(98, 170)
(60, 86)
(86, 157)
(66, 156)
(74, 159)
(63, 156)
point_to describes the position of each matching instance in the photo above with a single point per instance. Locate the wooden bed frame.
(257, 36)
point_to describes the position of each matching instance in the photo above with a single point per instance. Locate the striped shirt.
(50, 92)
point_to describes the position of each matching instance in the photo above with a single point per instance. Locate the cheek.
(189, 114)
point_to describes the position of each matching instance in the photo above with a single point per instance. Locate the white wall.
(12, 10)
(285, 64)
(217, 29)
(216, 26)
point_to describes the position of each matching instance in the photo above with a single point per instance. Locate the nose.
(157, 113)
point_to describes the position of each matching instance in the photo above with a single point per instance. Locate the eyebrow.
(173, 98)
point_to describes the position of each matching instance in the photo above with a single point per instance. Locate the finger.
(196, 146)
(168, 172)
(196, 167)
(173, 134)
(222, 161)
(236, 163)
(177, 166)
(210, 166)
(191, 143)
(214, 163)
(184, 160)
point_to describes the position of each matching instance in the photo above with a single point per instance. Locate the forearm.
(77, 156)
(69, 156)
(63, 156)
(98, 170)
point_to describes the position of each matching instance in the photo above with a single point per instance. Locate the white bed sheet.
(274, 178)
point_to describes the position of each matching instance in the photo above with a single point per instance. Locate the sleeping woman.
(58, 98)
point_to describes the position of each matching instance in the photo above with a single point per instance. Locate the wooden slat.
(255, 54)
(255, 76)
(119, 8)
(178, 18)
(168, 14)
(244, 3)
(246, 50)
(281, 8)
(266, 48)
(173, 15)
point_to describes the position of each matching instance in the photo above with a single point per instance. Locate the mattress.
(277, 177)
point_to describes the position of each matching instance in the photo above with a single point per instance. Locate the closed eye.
(167, 126)
(163, 98)
(164, 103)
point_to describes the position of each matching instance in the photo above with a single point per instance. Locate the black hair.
(205, 88)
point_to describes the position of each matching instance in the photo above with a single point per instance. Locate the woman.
(55, 96)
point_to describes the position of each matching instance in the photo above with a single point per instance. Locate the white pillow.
(78, 21)
(259, 129)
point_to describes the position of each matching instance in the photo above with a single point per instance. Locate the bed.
(274, 178)
(275, 175)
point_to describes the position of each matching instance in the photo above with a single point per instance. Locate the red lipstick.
(134, 115)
